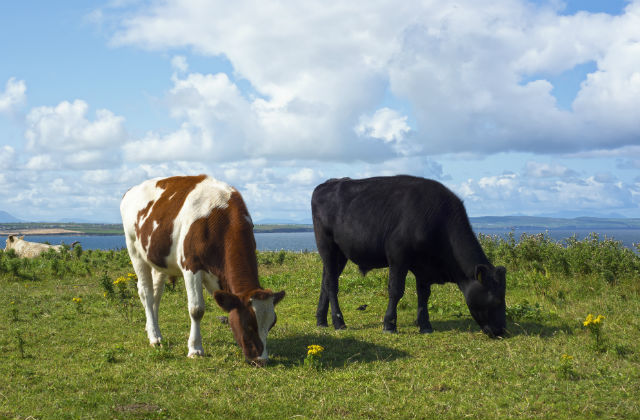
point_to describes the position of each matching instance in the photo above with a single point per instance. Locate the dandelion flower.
(77, 299)
(314, 350)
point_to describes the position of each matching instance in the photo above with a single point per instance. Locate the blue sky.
(520, 107)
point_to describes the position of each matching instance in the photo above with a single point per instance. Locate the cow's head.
(11, 241)
(251, 317)
(485, 299)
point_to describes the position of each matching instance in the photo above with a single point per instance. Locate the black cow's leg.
(323, 305)
(397, 276)
(333, 264)
(424, 291)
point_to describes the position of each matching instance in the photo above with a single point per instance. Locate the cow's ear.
(481, 272)
(277, 297)
(11, 238)
(22, 237)
(227, 301)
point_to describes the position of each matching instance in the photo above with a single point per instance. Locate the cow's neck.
(467, 251)
(241, 271)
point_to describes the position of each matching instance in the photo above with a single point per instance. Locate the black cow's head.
(485, 299)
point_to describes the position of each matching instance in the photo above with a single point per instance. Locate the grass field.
(73, 345)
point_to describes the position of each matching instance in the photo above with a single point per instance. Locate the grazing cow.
(198, 227)
(26, 249)
(407, 224)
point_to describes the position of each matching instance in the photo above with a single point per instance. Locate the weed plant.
(57, 361)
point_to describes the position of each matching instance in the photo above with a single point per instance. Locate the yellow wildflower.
(77, 300)
(314, 350)
(590, 320)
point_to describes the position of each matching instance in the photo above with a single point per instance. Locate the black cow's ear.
(227, 301)
(482, 271)
(10, 238)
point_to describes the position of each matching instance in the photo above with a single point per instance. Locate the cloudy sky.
(520, 107)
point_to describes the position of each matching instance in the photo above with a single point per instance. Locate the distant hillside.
(529, 222)
(7, 218)
(271, 228)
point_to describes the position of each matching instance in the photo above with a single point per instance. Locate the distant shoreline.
(507, 223)
(42, 232)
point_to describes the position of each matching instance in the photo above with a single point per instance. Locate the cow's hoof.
(390, 330)
(195, 353)
(155, 343)
(428, 330)
(340, 327)
(323, 324)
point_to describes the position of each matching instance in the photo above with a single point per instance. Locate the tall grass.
(72, 343)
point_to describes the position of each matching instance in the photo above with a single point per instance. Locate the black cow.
(407, 224)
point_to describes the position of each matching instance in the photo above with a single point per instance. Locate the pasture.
(73, 345)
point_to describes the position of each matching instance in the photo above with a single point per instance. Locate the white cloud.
(520, 194)
(13, 97)
(547, 170)
(317, 68)
(66, 128)
(385, 124)
(7, 157)
(179, 63)
(62, 137)
(42, 163)
(304, 176)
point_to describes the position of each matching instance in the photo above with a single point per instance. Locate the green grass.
(64, 359)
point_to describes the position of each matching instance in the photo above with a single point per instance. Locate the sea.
(305, 241)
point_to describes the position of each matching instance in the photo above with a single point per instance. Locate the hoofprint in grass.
(314, 354)
(594, 325)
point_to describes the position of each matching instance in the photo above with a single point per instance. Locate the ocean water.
(305, 241)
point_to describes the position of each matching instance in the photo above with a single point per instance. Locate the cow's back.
(159, 214)
(367, 217)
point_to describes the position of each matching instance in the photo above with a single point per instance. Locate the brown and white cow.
(198, 227)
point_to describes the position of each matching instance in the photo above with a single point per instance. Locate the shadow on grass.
(514, 328)
(338, 353)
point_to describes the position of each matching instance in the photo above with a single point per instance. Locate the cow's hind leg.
(193, 284)
(159, 280)
(333, 263)
(397, 276)
(146, 294)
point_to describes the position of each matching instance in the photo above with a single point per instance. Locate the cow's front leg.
(423, 289)
(397, 276)
(195, 298)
